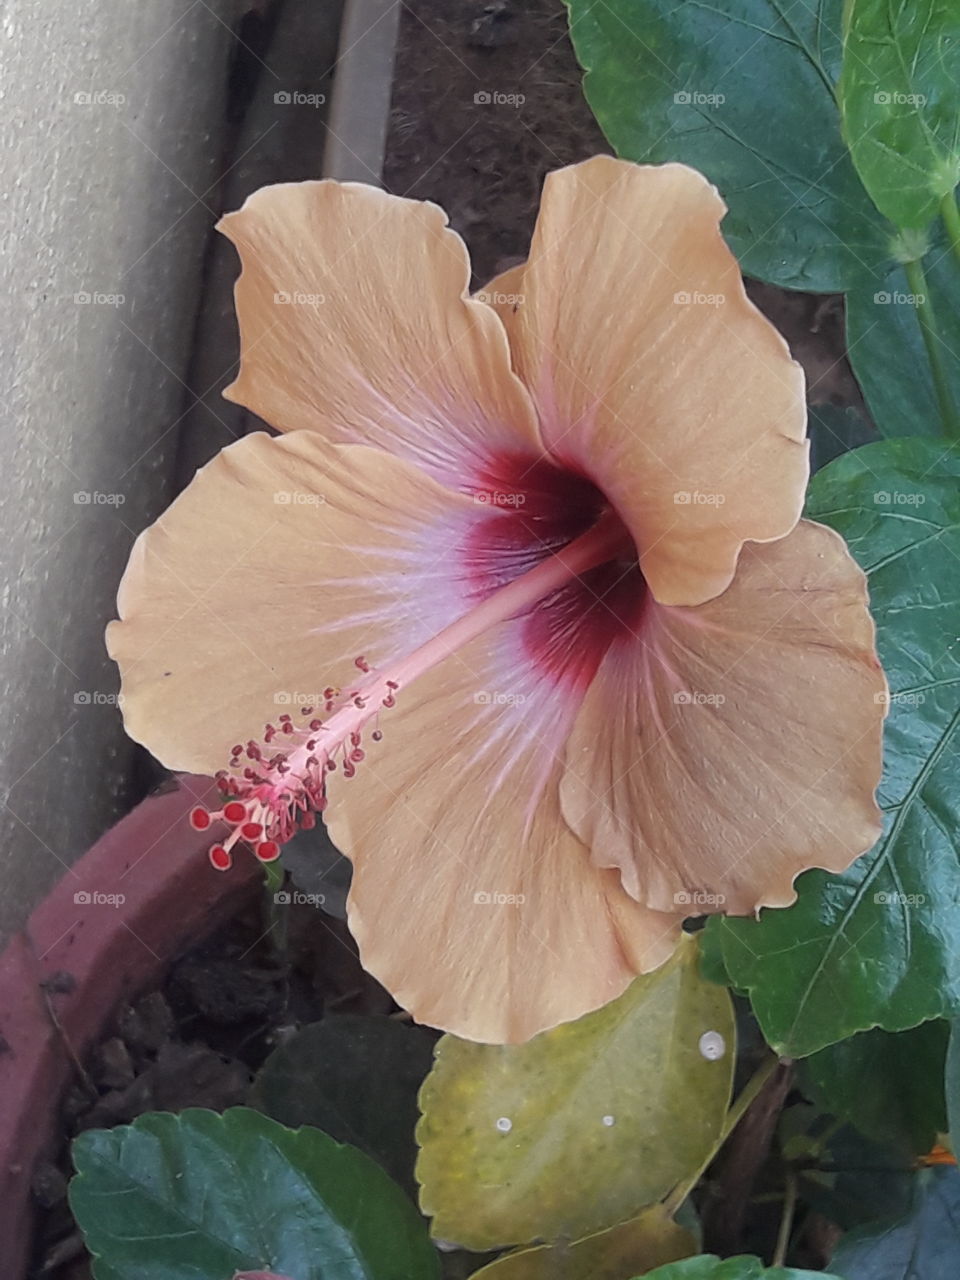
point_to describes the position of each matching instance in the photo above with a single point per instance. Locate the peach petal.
(738, 743)
(355, 322)
(472, 901)
(689, 415)
(283, 561)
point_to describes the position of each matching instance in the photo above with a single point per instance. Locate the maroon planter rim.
(106, 931)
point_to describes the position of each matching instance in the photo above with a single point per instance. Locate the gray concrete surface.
(110, 116)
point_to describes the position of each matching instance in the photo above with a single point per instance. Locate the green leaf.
(887, 352)
(951, 1082)
(899, 103)
(924, 1245)
(743, 91)
(879, 945)
(584, 1125)
(199, 1196)
(355, 1078)
(890, 1085)
(644, 1242)
(707, 1267)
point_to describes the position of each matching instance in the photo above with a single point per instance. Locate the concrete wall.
(112, 119)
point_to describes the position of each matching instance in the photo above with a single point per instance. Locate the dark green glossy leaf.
(887, 352)
(951, 1082)
(707, 1267)
(743, 91)
(888, 1084)
(843, 1175)
(879, 945)
(199, 1196)
(924, 1245)
(355, 1078)
(898, 95)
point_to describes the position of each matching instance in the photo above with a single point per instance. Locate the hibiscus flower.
(522, 595)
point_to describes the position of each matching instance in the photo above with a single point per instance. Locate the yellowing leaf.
(584, 1125)
(629, 1249)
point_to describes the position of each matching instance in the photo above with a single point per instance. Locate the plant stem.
(928, 327)
(786, 1220)
(951, 220)
(745, 1099)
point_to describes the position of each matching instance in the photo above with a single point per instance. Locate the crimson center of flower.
(550, 553)
(536, 509)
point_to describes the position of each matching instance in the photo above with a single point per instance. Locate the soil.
(197, 1041)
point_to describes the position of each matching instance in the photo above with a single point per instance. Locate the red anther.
(305, 710)
(219, 857)
(329, 693)
(285, 716)
(377, 735)
(267, 851)
(252, 830)
(354, 739)
(356, 755)
(234, 811)
(392, 684)
(348, 769)
(199, 818)
(237, 750)
(330, 766)
(389, 701)
(269, 733)
(362, 663)
(359, 702)
(308, 820)
(286, 727)
(315, 725)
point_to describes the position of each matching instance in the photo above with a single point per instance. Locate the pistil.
(283, 784)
